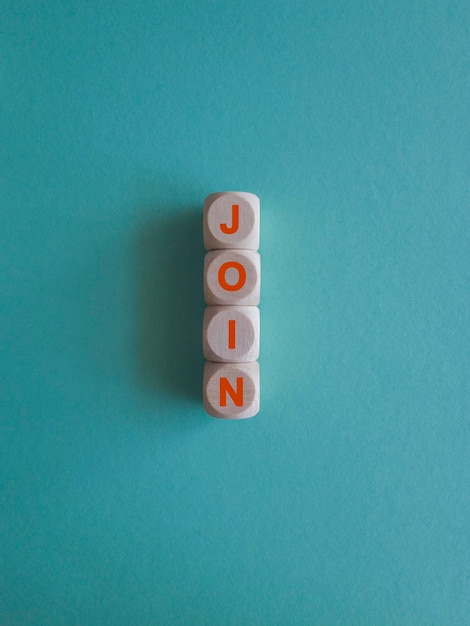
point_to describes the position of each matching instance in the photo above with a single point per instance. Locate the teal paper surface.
(346, 501)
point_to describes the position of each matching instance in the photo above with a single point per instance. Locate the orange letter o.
(241, 276)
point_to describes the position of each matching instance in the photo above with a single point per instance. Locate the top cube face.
(231, 220)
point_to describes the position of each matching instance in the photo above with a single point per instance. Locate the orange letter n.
(226, 388)
(230, 230)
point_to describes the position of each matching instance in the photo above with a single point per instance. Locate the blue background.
(346, 500)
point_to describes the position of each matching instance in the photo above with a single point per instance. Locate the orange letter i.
(231, 335)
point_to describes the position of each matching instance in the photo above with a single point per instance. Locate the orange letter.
(226, 387)
(229, 230)
(241, 276)
(231, 335)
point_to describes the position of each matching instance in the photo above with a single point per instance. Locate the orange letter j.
(230, 230)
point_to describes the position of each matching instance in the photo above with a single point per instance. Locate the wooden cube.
(231, 390)
(231, 333)
(232, 277)
(231, 220)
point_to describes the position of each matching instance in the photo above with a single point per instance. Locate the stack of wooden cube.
(231, 327)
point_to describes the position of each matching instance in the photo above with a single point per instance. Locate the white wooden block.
(231, 333)
(231, 390)
(232, 277)
(231, 220)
